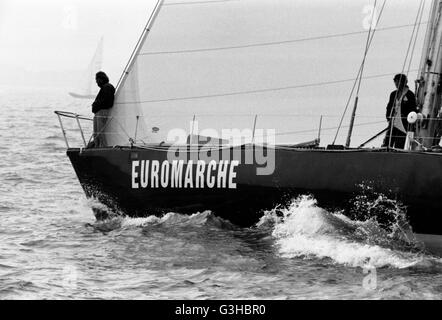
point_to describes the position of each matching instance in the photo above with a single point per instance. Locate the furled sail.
(205, 66)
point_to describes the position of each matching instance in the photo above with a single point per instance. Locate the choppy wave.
(116, 220)
(305, 230)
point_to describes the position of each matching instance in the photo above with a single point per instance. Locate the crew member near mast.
(402, 102)
(101, 106)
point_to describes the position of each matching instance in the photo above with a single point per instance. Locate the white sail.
(223, 63)
(87, 88)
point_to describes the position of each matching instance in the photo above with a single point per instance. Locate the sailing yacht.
(167, 152)
(87, 87)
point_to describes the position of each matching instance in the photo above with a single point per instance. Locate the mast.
(429, 93)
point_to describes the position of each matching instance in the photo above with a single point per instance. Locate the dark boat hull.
(332, 176)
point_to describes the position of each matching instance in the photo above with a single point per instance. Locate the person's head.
(400, 80)
(101, 79)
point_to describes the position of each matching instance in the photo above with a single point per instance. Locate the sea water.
(51, 246)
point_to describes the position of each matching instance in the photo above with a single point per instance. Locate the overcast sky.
(59, 35)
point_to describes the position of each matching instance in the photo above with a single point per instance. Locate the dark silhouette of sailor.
(402, 102)
(101, 107)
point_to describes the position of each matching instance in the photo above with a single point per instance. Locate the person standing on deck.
(402, 102)
(103, 102)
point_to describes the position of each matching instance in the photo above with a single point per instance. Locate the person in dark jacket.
(402, 102)
(101, 106)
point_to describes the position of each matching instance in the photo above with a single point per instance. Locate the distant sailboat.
(87, 87)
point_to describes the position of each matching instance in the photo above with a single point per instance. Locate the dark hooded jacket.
(408, 105)
(104, 99)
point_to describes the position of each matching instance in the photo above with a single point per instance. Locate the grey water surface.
(51, 246)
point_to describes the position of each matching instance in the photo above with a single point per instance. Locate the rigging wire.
(359, 72)
(417, 34)
(415, 27)
(196, 2)
(227, 94)
(140, 42)
(262, 44)
(326, 129)
(276, 134)
(367, 46)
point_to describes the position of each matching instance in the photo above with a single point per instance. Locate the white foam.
(94, 203)
(310, 231)
(172, 218)
(347, 253)
(139, 222)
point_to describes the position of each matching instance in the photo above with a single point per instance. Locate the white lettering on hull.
(135, 165)
(153, 174)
